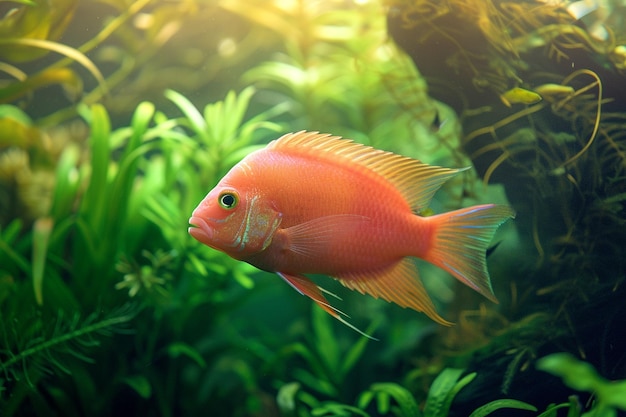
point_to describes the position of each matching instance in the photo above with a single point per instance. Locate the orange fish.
(312, 203)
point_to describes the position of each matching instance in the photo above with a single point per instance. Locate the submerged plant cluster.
(107, 143)
(539, 90)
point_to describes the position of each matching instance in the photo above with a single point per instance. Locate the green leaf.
(66, 77)
(357, 350)
(325, 339)
(407, 405)
(573, 409)
(243, 279)
(501, 403)
(582, 376)
(177, 349)
(26, 2)
(365, 398)
(286, 397)
(15, 113)
(443, 390)
(332, 409)
(576, 374)
(41, 236)
(95, 198)
(8, 254)
(383, 402)
(66, 184)
(140, 384)
(320, 384)
(122, 186)
(62, 49)
(198, 124)
(197, 265)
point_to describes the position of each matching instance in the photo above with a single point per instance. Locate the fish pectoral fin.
(307, 287)
(399, 284)
(314, 237)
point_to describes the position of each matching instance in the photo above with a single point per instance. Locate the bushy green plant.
(337, 71)
(112, 258)
(609, 396)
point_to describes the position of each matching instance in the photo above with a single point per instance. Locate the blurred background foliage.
(117, 117)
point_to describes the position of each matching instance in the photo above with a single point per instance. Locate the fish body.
(313, 203)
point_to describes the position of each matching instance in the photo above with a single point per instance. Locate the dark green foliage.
(610, 396)
(118, 221)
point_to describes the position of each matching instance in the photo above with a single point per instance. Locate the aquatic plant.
(339, 73)
(96, 267)
(610, 396)
(118, 44)
(539, 92)
(117, 219)
(393, 399)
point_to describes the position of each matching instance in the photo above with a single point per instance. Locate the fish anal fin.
(399, 284)
(307, 287)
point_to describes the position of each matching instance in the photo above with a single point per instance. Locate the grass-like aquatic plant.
(118, 219)
(391, 399)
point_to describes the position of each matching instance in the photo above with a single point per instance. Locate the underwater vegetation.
(539, 88)
(117, 117)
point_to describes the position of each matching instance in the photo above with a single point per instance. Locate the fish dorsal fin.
(399, 284)
(415, 180)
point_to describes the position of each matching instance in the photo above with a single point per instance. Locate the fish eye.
(228, 200)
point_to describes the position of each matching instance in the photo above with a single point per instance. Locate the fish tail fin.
(460, 241)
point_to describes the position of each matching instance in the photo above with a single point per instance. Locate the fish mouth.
(200, 230)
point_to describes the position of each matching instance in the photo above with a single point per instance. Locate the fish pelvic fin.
(307, 287)
(460, 240)
(399, 284)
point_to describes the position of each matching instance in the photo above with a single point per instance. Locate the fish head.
(239, 221)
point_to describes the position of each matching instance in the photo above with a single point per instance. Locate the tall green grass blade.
(8, 254)
(41, 236)
(66, 184)
(196, 121)
(12, 231)
(325, 339)
(95, 201)
(127, 172)
(357, 350)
